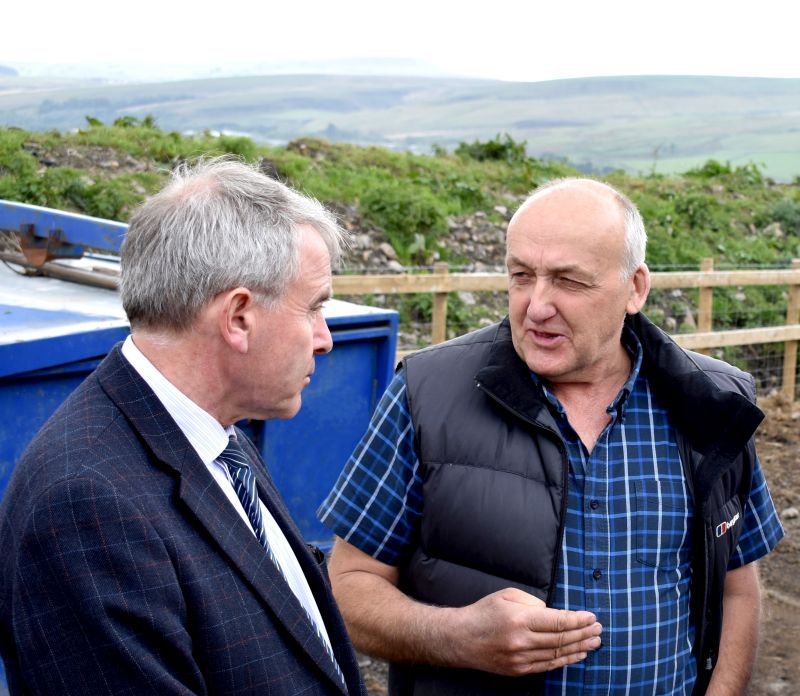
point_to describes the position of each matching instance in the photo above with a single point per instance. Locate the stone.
(790, 513)
(774, 230)
(467, 298)
(387, 250)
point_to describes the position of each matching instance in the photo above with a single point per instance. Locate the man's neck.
(188, 368)
(585, 402)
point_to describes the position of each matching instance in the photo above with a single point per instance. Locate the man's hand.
(513, 633)
(509, 632)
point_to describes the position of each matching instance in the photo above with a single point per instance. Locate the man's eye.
(571, 282)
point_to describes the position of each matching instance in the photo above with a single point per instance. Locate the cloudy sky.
(521, 40)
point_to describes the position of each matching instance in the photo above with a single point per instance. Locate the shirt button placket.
(598, 554)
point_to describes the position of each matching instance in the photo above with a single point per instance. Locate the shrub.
(405, 211)
(500, 148)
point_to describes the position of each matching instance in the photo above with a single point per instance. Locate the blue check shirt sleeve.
(762, 528)
(377, 501)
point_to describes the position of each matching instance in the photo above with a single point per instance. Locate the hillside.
(641, 124)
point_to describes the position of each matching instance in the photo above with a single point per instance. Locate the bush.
(405, 212)
(786, 211)
(500, 148)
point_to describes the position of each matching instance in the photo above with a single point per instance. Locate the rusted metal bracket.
(39, 249)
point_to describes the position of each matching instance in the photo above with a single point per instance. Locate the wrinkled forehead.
(579, 220)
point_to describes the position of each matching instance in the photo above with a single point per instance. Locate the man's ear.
(236, 318)
(640, 288)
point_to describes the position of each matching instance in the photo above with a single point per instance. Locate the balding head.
(635, 234)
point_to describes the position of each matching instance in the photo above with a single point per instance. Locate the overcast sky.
(526, 40)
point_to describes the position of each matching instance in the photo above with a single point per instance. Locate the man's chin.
(549, 370)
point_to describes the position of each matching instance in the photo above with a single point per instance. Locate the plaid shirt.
(626, 549)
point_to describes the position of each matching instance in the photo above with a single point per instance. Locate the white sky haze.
(521, 40)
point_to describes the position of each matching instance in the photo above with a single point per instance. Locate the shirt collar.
(204, 432)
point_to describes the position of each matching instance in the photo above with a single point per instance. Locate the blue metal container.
(53, 333)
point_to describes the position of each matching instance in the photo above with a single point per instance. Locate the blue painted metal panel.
(76, 229)
(60, 351)
(54, 333)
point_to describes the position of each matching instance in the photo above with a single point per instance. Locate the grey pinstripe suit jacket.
(125, 570)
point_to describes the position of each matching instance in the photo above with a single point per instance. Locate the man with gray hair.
(563, 502)
(144, 547)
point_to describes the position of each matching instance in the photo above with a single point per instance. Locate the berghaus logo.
(723, 527)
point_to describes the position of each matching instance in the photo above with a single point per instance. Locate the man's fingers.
(581, 639)
(545, 659)
(568, 650)
(558, 620)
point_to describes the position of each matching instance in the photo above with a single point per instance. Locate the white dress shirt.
(209, 439)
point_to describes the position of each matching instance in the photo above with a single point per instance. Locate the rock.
(395, 266)
(387, 250)
(688, 320)
(774, 230)
(501, 210)
(467, 298)
(790, 513)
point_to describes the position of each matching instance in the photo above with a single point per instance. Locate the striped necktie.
(244, 483)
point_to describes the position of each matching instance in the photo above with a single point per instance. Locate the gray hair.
(635, 233)
(218, 224)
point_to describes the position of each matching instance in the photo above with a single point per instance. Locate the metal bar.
(55, 270)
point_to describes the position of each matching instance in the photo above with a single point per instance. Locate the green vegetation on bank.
(734, 214)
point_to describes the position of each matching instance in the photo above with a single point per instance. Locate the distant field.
(637, 123)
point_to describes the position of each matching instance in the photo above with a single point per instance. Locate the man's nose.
(323, 341)
(541, 305)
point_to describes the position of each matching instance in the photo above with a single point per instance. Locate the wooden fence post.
(790, 347)
(705, 305)
(439, 314)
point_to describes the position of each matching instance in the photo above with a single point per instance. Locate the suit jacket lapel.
(200, 493)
